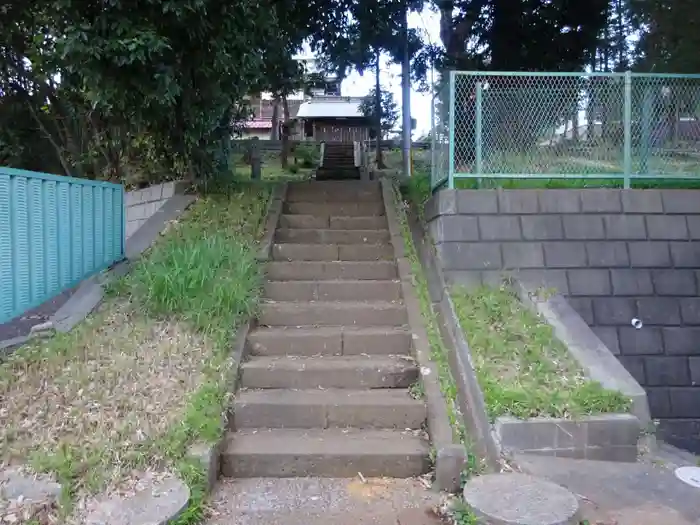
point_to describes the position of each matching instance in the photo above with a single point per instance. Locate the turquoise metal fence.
(593, 126)
(54, 232)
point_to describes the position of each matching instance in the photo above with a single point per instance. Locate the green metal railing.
(54, 232)
(489, 126)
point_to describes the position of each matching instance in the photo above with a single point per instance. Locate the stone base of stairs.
(325, 385)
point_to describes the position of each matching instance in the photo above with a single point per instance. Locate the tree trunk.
(285, 133)
(378, 111)
(274, 135)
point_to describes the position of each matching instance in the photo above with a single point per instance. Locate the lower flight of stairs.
(325, 387)
(338, 163)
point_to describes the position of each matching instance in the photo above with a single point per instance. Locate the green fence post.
(479, 132)
(645, 139)
(451, 121)
(628, 129)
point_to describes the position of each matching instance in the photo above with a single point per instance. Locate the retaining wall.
(141, 204)
(616, 255)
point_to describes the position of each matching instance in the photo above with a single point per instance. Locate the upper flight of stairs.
(325, 388)
(338, 162)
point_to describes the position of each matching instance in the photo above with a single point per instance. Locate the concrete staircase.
(338, 162)
(325, 389)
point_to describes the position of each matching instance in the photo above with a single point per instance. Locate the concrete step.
(328, 341)
(354, 372)
(329, 313)
(323, 236)
(334, 408)
(345, 290)
(330, 270)
(334, 192)
(314, 222)
(336, 209)
(332, 252)
(324, 453)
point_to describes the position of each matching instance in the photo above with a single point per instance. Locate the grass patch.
(137, 383)
(438, 352)
(298, 169)
(523, 370)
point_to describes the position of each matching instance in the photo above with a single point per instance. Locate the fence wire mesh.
(568, 126)
(440, 136)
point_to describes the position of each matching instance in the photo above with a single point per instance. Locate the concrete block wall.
(141, 204)
(616, 254)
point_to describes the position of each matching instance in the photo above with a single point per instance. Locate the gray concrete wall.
(141, 204)
(616, 255)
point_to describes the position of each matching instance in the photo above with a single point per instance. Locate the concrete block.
(625, 227)
(338, 209)
(477, 201)
(608, 335)
(168, 190)
(358, 223)
(207, 454)
(607, 254)
(517, 201)
(625, 454)
(291, 290)
(564, 254)
(631, 282)
(694, 365)
(683, 340)
(304, 252)
(659, 402)
(684, 402)
(680, 201)
(376, 341)
(559, 201)
(300, 236)
(667, 371)
(295, 341)
(589, 282)
(443, 202)
(523, 255)
(583, 307)
(469, 255)
(649, 254)
(459, 228)
(545, 279)
(469, 279)
(365, 252)
(667, 227)
(542, 227)
(517, 434)
(646, 341)
(611, 430)
(493, 278)
(578, 227)
(601, 200)
(693, 226)
(449, 466)
(635, 366)
(641, 201)
(614, 310)
(304, 221)
(685, 254)
(500, 228)
(570, 434)
(659, 310)
(333, 314)
(675, 282)
(343, 290)
(322, 270)
(690, 310)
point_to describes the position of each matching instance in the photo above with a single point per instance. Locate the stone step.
(329, 313)
(330, 270)
(354, 372)
(332, 252)
(328, 236)
(335, 340)
(345, 290)
(329, 174)
(333, 408)
(324, 453)
(336, 209)
(334, 192)
(288, 221)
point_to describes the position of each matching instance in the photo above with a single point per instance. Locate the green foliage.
(308, 154)
(389, 111)
(523, 369)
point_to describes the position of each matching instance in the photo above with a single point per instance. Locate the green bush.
(307, 154)
(294, 168)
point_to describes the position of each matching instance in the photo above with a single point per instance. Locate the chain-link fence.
(603, 126)
(439, 136)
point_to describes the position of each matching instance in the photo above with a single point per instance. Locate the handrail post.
(628, 130)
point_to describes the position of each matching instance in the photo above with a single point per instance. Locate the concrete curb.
(469, 394)
(272, 217)
(450, 457)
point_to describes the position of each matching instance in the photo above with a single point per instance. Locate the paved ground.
(621, 493)
(22, 324)
(322, 501)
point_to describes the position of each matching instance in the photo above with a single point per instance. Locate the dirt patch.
(22, 324)
(89, 404)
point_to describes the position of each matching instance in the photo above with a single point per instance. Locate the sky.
(355, 84)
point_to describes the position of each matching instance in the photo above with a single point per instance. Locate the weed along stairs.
(325, 385)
